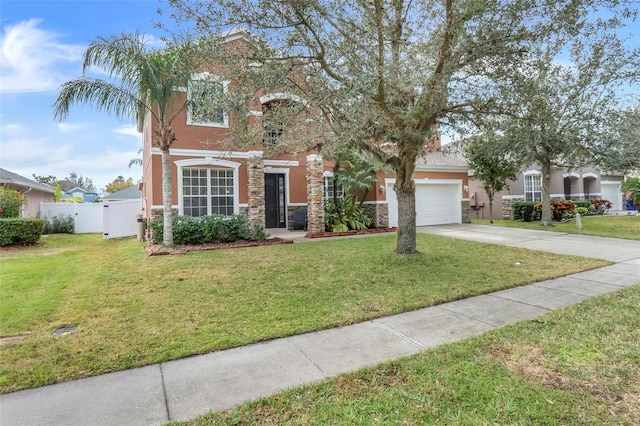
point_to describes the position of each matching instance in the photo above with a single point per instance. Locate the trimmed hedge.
(208, 229)
(524, 211)
(25, 232)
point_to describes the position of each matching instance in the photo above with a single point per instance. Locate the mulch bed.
(158, 250)
(342, 234)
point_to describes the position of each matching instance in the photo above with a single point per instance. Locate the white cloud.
(129, 130)
(24, 149)
(11, 129)
(32, 59)
(68, 128)
(101, 167)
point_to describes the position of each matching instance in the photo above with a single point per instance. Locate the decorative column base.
(315, 194)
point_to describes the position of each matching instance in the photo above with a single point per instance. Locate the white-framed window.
(207, 191)
(533, 187)
(204, 95)
(329, 189)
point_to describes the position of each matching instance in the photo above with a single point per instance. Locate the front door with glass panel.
(274, 200)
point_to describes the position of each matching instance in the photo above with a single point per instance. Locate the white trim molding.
(589, 175)
(281, 96)
(182, 152)
(209, 161)
(281, 163)
(532, 172)
(571, 175)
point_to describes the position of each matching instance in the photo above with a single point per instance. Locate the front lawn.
(626, 227)
(132, 310)
(574, 366)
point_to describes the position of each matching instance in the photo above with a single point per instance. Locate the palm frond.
(102, 95)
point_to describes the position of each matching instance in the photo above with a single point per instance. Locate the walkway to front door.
(275, 201)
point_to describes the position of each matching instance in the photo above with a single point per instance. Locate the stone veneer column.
(315, 194)
(465, 211)
(255, 174)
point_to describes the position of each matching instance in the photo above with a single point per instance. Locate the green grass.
(132, 310)
(574, 366)
(626, 227)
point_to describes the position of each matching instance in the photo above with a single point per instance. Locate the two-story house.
(208, 178)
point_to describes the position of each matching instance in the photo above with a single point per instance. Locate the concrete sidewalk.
(186, 388)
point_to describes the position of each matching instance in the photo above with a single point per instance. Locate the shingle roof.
(130, 193)
(68, 185)
(7, 177)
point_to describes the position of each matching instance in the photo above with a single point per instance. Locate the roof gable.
(10, 178)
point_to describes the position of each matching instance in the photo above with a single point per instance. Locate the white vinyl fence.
(120, 218)
(114, 219)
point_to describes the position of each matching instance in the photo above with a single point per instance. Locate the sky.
(42, 43)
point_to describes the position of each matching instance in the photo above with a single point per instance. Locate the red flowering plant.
(560, 209)
(601, 206)
(11, 201)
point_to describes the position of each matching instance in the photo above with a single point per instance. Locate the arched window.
(273, 115)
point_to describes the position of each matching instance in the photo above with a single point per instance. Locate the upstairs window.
(273, 122)
(205, 97)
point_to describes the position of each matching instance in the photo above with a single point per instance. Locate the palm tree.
(145, 83)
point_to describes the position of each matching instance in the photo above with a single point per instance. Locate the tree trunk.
(406, 193)
(546, 195)
(167, 213)
(490, 207)
(405, 190)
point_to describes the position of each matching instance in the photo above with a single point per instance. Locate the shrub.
(24, 232)
(62, 224)
(601, 206)
(632, 187)
(587, 205)
(208, 229)
(560, 209)
(524, 211)
(582, 211)
(11, 201)
(345, 214)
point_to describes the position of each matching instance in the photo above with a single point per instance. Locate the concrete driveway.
(613, 249)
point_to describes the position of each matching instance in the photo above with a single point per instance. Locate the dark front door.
(275, 215)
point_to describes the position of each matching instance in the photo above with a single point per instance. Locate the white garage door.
(438, 202)
(611, 191)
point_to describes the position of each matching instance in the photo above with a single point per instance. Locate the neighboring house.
(71, 189)
(575, 184)
(130, 193)
(209, 179)
(34, 192)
